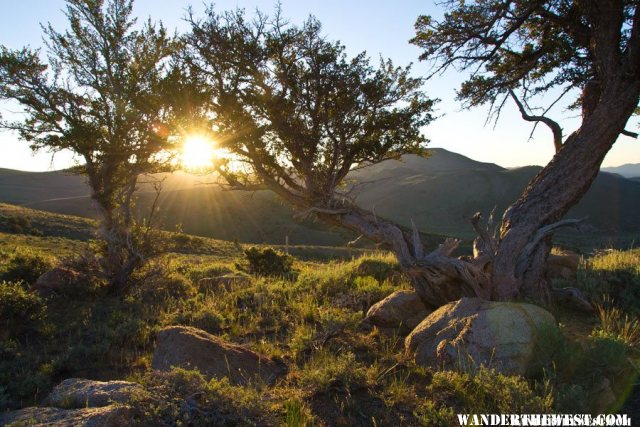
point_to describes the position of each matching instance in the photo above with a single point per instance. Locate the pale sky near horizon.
(377, 26)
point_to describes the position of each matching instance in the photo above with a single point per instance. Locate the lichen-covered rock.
(402, 310)
(106, 416)
(191, 348)
(511, 337)
(81, 393)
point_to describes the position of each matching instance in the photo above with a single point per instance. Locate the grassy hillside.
(439, 193)
(339, 372)
(21, 226)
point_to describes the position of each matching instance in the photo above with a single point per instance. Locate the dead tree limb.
(552, 124)
(542, 233)
(489, 241)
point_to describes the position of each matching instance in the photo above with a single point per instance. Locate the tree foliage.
(296, 109)
(536, 45)
(102, 93)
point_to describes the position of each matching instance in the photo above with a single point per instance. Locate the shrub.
(616, 325)
(25, 265)
(19, 309)
(157, 283)
(268, 262)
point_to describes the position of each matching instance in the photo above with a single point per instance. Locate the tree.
(300, 115)
(101, 95)
(586, 47)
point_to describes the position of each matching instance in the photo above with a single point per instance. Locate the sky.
(379, 27)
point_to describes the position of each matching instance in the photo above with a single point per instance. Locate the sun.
(197, 152)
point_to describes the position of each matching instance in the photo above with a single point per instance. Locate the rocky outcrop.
(511, 337)
(81, 393)
(191, 348)
(80, 402)
(106, 416)
(402, 310)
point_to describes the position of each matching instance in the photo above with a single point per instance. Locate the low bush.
(268, 262)
(19, 309)
(25, 265)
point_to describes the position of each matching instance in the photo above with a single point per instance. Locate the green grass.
(339, 373)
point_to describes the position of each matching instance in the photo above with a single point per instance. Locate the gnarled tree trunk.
(511, 268)
(518, 267)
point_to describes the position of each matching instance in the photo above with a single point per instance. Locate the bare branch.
(483, 233)
(552, 124)
(543, 232)
(629, 134)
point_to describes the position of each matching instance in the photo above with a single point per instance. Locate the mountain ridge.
(438, 193)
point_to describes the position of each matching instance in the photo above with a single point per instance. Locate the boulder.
(402, 310)
(562, 266)
(106, 416)
(81, 393)
(55, 280)
(512, 338)
(191, 348)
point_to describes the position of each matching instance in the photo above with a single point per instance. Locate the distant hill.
(439, 193)
(629, 170)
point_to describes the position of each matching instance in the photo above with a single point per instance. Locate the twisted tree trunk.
(512, 266)
(519, 259)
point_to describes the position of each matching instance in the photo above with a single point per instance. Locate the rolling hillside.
(438, 193)
(629, 170)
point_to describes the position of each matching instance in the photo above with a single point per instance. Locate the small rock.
(402, 310)
(81, 393)
(55, 280)
(191, 348)
(464, 334)
(106, 416)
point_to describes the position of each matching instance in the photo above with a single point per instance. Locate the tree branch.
(484, 235)
(525, 255)
(553, 125)
(629, 133)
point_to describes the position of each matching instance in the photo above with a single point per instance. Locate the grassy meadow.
(340, 371)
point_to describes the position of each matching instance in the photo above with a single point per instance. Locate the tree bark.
(557, 188)
(513, 267)
(437, 277)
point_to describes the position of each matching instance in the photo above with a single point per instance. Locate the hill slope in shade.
(439, 193)
(629, 170)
